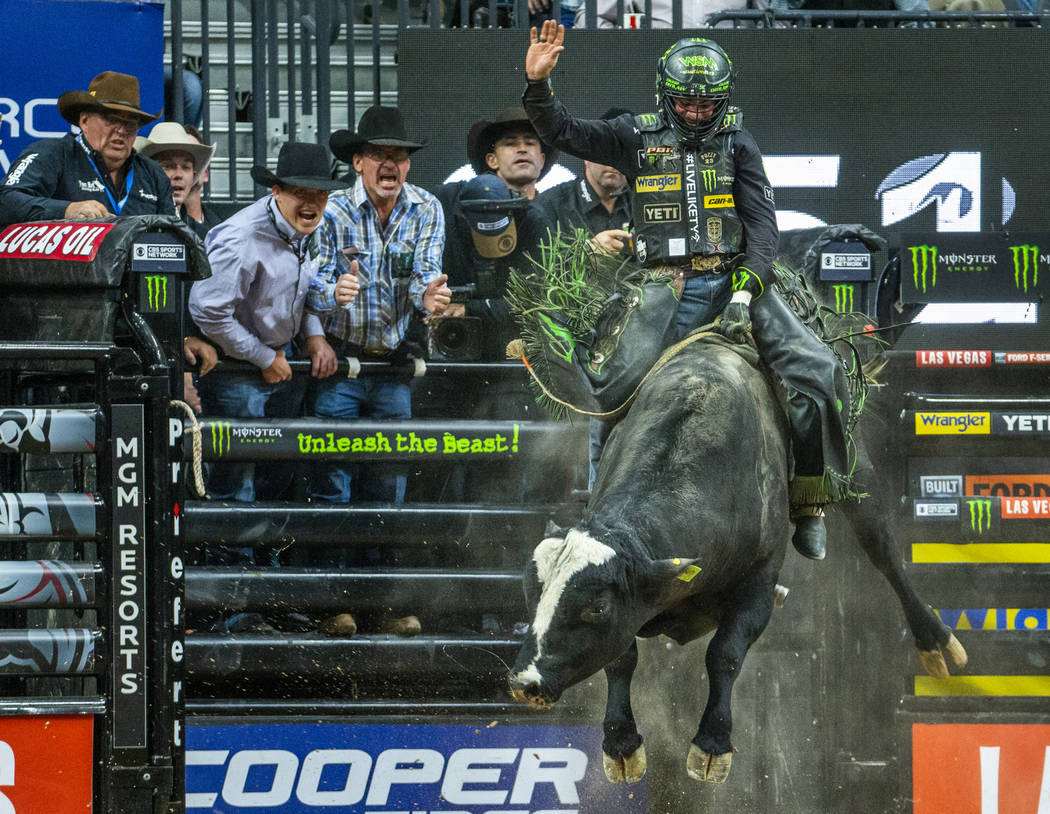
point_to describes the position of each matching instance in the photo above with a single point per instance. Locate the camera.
(454, 339)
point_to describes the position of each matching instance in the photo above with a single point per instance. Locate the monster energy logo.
(157, 291)
(1025, 257)
(923, 260)
(708, 177)
(220, 437)
(843, 298)
(980, 515)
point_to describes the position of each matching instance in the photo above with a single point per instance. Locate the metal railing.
(815, 18)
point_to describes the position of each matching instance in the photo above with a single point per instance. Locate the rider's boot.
(811, 537)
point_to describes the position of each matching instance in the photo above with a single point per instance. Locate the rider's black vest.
(683, 202)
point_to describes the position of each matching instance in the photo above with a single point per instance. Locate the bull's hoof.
(933, 660)
(628, 769)
(708, 768)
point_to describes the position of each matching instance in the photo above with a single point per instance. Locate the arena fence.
(99, 538)
(92, 651)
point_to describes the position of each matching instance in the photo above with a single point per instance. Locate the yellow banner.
(983, 685)
(980, 552)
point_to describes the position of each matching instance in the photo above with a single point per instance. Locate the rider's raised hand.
(544, 49)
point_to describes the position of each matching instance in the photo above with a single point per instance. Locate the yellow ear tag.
(689, 572)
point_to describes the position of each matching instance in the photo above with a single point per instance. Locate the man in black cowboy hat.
(380, 263)
(253, 305)
(510, 148)
(253, 308)
(94, 173)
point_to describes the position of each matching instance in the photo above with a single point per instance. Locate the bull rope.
(706, 333)
(198, 454)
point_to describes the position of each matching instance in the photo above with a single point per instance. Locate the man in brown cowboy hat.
(94, 173)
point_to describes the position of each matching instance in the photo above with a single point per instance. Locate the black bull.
(685, 533)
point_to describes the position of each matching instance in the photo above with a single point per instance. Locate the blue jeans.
(191, 109)
(248, 395)
(375, 397)
(703, 298)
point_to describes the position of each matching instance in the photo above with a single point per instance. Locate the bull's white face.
(575, 588)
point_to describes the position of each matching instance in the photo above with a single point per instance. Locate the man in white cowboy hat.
(185, 161)
(380, 262)
(94, 173)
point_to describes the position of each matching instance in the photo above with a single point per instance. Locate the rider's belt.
(698, 265)
(343, 348)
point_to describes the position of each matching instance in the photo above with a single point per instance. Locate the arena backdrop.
(133, 34)
(901, 130)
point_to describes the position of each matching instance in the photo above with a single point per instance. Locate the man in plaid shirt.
(380, 262)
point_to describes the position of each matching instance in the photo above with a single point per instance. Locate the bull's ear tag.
(688, 572)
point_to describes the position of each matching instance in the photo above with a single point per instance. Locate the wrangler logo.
(657, 183)
(718, 201)
(953, 423)
(662, 213)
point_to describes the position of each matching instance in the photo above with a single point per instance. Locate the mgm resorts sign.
(974, 267)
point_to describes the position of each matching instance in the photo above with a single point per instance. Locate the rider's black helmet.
(694, 67)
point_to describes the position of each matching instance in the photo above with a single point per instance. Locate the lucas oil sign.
(382, 769)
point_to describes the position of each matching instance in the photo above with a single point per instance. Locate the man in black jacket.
(704, 214)
(94, 173)
(599, 202)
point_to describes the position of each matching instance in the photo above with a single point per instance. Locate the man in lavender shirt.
(252, 307)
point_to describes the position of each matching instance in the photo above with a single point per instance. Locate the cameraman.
(494, 229)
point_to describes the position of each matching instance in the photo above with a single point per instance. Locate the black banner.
(974, 267)
(128, 543)
(394, 441)
(871, 126)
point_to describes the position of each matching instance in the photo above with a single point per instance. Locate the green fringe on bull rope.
(557, 299)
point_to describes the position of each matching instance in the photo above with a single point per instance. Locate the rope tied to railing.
(198, 447)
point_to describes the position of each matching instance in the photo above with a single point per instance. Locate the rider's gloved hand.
(736, 318)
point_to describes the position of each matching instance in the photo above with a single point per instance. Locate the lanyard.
(297, 249)
(105, 186)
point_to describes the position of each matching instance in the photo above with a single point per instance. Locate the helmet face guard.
(694, 69)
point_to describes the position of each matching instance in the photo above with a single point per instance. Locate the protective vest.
(683, 201)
